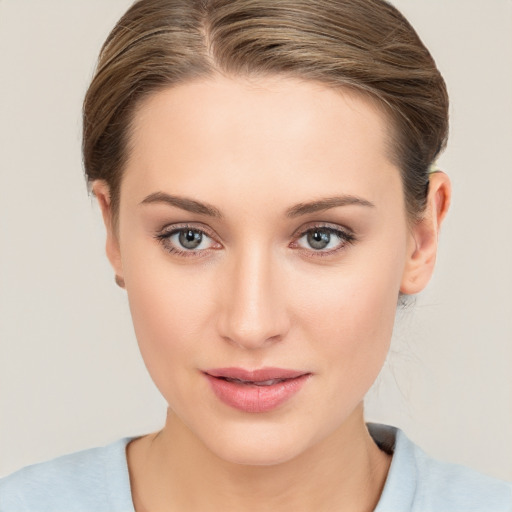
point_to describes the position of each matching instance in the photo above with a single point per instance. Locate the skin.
(257, 294)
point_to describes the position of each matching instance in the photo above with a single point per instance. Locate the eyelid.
(196, 226)
(163, 236)
(346, 235)
(325, 225)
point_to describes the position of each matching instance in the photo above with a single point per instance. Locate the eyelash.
(164, 236)
(346, 238)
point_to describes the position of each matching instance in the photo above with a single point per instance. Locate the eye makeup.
(323, 240)
(191, 240)
(187, 240)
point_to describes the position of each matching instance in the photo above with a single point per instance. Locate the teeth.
(249, 382)
(268, 382)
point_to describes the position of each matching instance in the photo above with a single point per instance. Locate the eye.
(324, 239)
(186, 241)
(188, 238)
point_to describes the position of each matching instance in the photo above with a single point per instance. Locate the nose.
(253, 307)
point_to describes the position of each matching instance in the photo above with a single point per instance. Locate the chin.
(258, 445)
(250, 454)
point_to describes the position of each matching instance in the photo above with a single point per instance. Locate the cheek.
(167, 305)
(349, 320)
(171, 310)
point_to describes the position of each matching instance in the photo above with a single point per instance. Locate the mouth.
(270, 382)
(255, 390)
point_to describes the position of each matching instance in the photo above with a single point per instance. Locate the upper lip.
(259, 375)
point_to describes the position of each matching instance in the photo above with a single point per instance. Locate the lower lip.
(252, 398)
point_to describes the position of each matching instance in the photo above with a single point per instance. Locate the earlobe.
(423, 241)
(101, 190)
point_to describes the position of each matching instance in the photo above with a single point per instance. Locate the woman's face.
(261, 225)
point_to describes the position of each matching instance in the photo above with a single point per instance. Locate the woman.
(266, 176)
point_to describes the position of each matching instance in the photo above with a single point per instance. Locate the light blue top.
(98, 480)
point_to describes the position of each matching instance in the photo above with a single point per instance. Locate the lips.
(255, 390)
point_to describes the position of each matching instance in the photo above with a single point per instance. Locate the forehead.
(274, 131)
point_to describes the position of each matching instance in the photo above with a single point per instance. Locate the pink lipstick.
(255, 390)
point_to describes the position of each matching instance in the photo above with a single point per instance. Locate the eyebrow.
(327, 204)
(191, 205)
(184, 203)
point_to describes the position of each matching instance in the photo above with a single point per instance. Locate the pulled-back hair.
(365, 45)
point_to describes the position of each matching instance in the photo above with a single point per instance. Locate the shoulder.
(95, 479)
(419, 483)
(442, 484)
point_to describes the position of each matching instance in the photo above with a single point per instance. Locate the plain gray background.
(70, 373)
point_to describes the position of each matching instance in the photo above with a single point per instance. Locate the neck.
(172, 470)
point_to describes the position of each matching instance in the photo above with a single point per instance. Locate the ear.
(423, 241)
(101, 190)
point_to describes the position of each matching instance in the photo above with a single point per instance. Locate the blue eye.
(190, 239)
(185, 241)
(324, 239)
(319, 239)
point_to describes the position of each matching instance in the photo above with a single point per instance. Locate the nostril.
(253, 341)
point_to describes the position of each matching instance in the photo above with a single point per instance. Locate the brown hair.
(366, 45)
